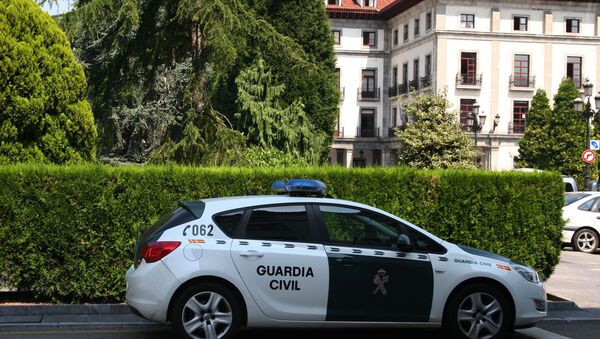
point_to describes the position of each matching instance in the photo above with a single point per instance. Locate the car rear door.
(281, 265)
(369, 278)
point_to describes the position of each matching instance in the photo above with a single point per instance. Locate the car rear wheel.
(585, 240)
(477, 311)
(206, 311)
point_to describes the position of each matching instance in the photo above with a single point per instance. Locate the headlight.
(527, 273)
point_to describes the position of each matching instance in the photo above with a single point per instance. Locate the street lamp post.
(475, 121)
(587, 114)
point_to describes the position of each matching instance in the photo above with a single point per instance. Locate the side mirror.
(404, 244)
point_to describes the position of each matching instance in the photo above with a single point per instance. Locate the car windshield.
(571, 198)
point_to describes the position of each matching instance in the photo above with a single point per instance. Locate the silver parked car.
(582, 213)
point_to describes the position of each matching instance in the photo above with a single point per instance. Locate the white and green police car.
(295, 260)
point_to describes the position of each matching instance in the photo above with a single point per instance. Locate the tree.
(555, 139)
(567, 132)
(267, 123)
(536, 141)
(132, 48)
(434, 138)
(44, 115)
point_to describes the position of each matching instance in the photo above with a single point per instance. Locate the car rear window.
(228, 221)
(571, 198)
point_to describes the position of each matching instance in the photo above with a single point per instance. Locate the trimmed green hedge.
(68, 233)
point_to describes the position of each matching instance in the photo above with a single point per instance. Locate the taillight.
(156, 250)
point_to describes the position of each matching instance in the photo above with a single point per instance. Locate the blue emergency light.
(299, 187)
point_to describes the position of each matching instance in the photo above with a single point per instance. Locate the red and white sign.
(588, 156)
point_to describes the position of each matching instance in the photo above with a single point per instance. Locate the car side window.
(280, 223)
(357, 227)
(228, 221)
(425, 244)
(587, 206)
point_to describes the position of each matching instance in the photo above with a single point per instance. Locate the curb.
(16, 327)
(75, 309)
(565, 305)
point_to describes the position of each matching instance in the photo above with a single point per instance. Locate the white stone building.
(491, 53)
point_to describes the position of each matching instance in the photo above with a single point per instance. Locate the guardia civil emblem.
(380, 279)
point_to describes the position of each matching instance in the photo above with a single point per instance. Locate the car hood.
(486, 254)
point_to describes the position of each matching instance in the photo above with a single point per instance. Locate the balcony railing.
(468, 80)
(363, 132)
(338, 133)
(402, 89)
(368, 95)
(527, 83)
(414, 85)
(342, 92)
(393, 91)
(425, 81)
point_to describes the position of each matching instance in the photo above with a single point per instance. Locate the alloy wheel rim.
(586, 241)
(207, 315)
(480, 316)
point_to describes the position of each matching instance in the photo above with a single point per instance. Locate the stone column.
(349, 158)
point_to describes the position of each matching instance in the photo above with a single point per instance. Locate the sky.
(59, 7)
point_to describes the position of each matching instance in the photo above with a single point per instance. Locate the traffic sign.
(595, 145)
(588, 156)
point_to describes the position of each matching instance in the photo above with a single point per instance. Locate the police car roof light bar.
(299, 187)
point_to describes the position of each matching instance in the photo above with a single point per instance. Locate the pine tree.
(536, 141)
(434, 138)
(567, 133)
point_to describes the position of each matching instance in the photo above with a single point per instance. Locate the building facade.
(487, 54)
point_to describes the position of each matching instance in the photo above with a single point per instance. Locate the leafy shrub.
(44, 115)
(68, 233)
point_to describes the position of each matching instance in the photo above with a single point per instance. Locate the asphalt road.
(534, 333)
(577, 278)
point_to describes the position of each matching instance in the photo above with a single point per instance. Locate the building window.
(467, 20)
(337, 36)
(468, 68)
(394, 117)
(395, 76)
(520, 109)
(428, 65)
(574, 70)
(416, 69)
(417, 27)
(405, 33)
(340, 157)
(368, 84)
(573, 25)
(466, 107)
(333, 2)
(369, 3)
(338, 78)
(370, 39)
(367, 122)
(521, 71)
(404, 86)
(520, 23)
(428, 21)
(395, 37)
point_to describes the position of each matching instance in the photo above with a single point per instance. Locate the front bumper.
(149, 289)
(530, 303)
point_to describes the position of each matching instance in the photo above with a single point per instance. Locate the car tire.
(206, 311)
(585, 240)
(478, 311)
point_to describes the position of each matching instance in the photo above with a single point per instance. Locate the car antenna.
(212, 194)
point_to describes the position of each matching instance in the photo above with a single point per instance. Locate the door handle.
(251, 254)
(347, 261)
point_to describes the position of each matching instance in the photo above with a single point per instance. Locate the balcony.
(521, 83)
(366, 132)
(338, 133)
(425, 82)
(402, 89)
(368, 95)
(342, 92)
(469, 81)
(393, 91)
(413, 85)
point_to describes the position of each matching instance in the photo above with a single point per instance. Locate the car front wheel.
(585, 240)
(206, 311)
(477, 311)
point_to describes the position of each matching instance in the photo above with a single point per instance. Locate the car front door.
(370, 279)
(284, 270)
